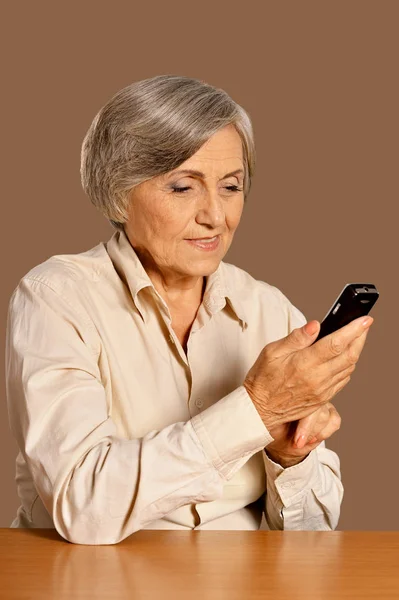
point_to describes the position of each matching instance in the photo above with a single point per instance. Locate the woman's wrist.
(285, 462)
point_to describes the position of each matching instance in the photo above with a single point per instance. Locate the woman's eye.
(234, 188)
(231, 188)
(180, 189)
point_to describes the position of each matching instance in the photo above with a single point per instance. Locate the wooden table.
(286, 565)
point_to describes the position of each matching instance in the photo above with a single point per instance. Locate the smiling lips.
(205, 243)
(206, 238)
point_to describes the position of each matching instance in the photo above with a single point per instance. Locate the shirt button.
(199, 403)
(171, 338)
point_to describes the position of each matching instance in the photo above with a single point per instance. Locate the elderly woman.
(151, 385)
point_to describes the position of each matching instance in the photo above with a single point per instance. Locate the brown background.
(320, 82)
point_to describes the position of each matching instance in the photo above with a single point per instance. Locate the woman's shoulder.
(257, 296)
(62, 270)
(247, 286)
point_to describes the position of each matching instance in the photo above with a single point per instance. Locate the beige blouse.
(120, 430)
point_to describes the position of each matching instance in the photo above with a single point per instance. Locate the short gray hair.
(150, 128)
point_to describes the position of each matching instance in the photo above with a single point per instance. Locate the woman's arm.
(308, 495)
(97, 487)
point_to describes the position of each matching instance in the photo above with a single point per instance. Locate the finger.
(335, 343)
(332, 426)
(322, 431)
(333, 364)
(326, 388)
(356, 347)
(310, 424)
(349, 357)
(337, 388)
(332, 380)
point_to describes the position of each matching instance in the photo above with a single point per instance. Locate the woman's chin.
(201, 268)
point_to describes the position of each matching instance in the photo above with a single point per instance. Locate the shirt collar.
(218, 288)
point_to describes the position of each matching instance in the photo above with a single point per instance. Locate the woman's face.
(168, 211)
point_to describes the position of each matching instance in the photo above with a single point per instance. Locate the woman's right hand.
(292, 378)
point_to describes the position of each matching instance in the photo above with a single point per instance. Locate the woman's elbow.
(84, 530)
(91, 525)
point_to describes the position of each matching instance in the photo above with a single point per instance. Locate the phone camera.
(366, 289)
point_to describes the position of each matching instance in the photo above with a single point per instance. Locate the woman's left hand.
(309, 431)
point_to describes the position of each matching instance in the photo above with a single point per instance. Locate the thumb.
(304, 336)
(304, 427)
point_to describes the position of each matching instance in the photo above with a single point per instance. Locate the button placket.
(194, 399)
(178, 347)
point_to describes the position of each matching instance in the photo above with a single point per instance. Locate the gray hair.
(150, 128)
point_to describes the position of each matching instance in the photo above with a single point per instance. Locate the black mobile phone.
(355, 300)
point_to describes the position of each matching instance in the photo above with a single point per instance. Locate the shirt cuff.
(231, 431)
(292, 483)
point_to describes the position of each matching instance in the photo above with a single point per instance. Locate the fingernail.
(299, 441)
(367, 321)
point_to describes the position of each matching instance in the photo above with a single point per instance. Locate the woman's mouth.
(207, 244)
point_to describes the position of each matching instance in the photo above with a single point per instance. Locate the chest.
(181, 325)
(151, 383)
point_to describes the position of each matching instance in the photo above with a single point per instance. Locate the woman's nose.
(211, 212)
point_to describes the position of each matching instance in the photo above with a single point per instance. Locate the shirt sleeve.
(306, 496)
(98, 487)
